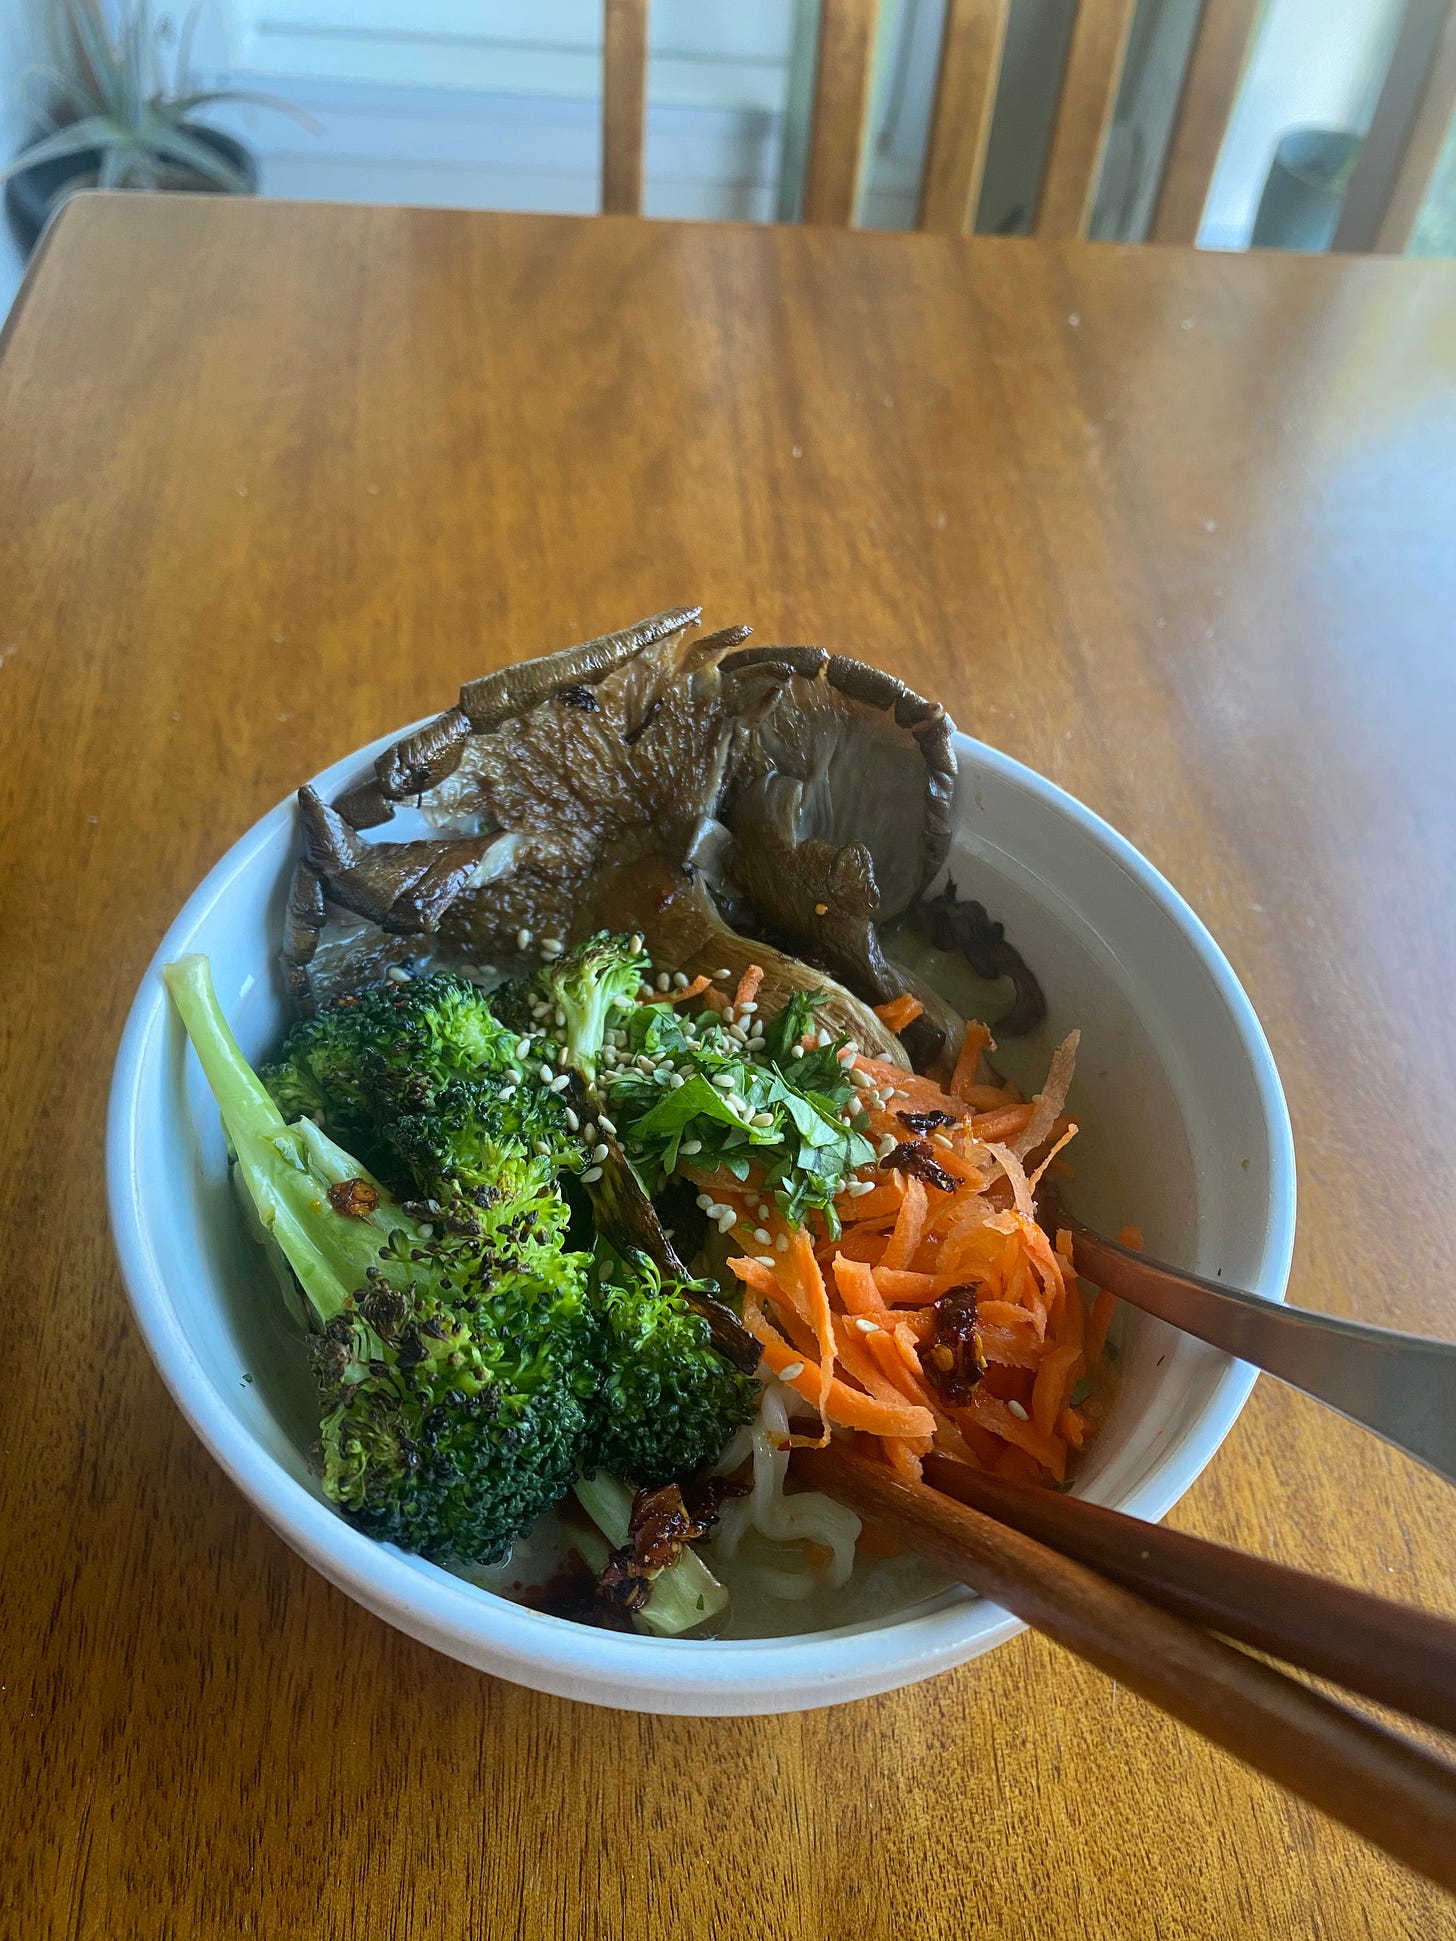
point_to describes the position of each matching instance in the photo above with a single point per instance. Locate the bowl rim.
(552, 1654)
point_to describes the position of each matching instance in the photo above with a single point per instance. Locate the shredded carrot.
(976, 1042)
(748, 986)
(858, 1288)
(1097, 1327)
(849, 1406)
(1005, 1123)
(1131, 1238)
(801, 1254)
(899, 1012)
(695, 989)
(849, 1320)
(908, 1223)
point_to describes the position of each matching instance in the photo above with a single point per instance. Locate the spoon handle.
(1402, 1386)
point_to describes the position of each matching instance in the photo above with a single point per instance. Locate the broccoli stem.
(686, 1594)
(284, 1167)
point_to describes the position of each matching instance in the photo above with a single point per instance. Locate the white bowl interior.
(1184, 1133)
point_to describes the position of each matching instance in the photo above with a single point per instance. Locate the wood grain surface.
(1175, 529)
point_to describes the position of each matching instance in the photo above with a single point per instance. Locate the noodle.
(778, 1519)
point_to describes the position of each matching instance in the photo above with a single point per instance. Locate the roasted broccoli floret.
(455, 1360)
(668, 1401)
(583, 992)
(480, 1142)
(385, 1054)
(422, 1081)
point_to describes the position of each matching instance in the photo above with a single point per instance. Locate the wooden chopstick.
(1382, 1786)
(1386, 1651)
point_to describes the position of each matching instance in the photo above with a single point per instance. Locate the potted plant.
(114, 119)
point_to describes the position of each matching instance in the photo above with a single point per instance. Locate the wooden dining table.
(1177, 529)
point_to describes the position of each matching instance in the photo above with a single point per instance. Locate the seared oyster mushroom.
(645, 780)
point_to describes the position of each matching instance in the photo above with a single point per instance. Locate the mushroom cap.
(621, 782)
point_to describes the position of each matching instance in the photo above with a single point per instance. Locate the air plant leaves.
(119, 94)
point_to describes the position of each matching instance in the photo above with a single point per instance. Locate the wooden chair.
(1396, 164)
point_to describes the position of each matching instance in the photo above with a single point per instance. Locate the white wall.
(1316, 63)
(18, 42)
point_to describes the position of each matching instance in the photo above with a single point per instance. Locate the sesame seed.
(847, 1055)
(734, 1103)
(592, 1173)
(762, 1209)
(762, 1119)
(865, 1325)
(747, 1010)
(600, 1151)
(562, 1056)
(558, 1017)
(398, 974)
(523, 939)
(763, 1236)
(705, 1200)
(791, 1371)
(724, 1081)
(765, 1260)
(887, 1145)
(573, 1123)
(675, 1081)
(781, 1244)
(605, 1124)
(1018, 1411)
(546, 1074)
(543, 1151)
(726, 1218)
(941, 1140)
(560, 1082)
(664, 982)
(722, 974)
(861, 1081)
(679, 980)
(690, 1146)
(634, 942)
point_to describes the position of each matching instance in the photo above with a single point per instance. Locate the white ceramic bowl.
(1173, 1064)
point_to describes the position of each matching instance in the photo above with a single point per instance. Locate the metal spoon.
(1402, 1386)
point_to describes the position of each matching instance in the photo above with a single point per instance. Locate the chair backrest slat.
(960, 123)
(624, 95)
(843, 64)
(1090, 83)
(1205, 102)
(1407, 132)
(1382, 201)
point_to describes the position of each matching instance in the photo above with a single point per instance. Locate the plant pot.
(1300, 206)
(32, 195)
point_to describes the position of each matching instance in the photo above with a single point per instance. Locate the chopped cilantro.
(777, 1113)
